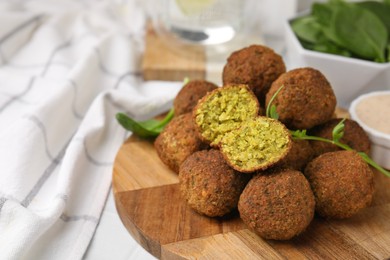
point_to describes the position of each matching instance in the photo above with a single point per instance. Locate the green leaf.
(338, 131)
(381, 10)
(273, 113)
(271, 109)
(307, 29)
(360, 31)
(327, 46)
(324, 12)
(145, 129)
(299, 134)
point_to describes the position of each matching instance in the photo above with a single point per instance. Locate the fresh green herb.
(145, 129)
(271, 108)
(337, 134)
(338, 131)
(149, 128)
(301, 134)
(358, 29)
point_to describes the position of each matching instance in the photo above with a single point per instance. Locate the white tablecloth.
(66, 68)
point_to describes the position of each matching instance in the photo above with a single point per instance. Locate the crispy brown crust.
(306, 100)
(354, 136)
(215, 92)
(277, 205)
(209, 185)
(257, 66)
(342, 184)
(177, 141)
(300, 154)
(188, 96)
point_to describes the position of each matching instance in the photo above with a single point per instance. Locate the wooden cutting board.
(148, 201)
(164, 61)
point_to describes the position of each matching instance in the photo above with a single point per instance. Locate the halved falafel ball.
(177, 141)
(258, 144)
(354, 136)
(300, 154)
(223, 110)
(342, 184)
(189, 95)
(209, 185)
(306, 99)
(278, 205)
(257, 66)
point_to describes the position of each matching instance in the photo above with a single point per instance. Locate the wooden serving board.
(148, 201)
(163, 62)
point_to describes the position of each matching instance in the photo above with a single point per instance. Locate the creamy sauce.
(374, 111)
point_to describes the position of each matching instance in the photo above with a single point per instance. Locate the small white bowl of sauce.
(372, 112)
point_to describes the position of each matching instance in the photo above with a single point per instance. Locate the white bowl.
(349, 77)
(380, 141)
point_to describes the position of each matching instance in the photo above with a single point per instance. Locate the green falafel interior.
(258, 144)
(223, 110)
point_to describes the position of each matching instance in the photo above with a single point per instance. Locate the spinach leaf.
(381, 10)
(145, 129)
(360, 31)
(330, 47)
(307, 28)
(324, 12)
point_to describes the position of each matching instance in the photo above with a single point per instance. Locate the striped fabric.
(66, 68)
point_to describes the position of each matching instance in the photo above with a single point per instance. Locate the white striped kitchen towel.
(66, 68)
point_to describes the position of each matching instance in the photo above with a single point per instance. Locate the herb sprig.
(337, 134)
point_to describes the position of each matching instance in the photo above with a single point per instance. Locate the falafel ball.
(354, 136)
(209, 185)
(223, 110)
(342, 184)
(257, 144)
(300, 154)
(177, 141)
(256, 66)
(188, 96)
(306, 99)
(277, 205)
